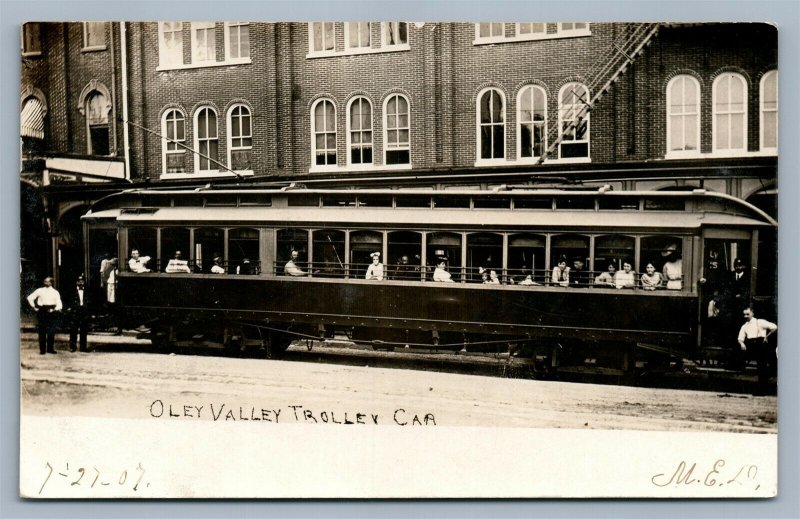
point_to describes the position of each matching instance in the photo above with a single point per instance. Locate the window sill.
(575, 160)
(358, 167)
(491, 162)
(203, 174)
(677, 155)
(32, 54)
(94, 48)
(204, 64)
(528, 160)
(358, 51)
(531, 37)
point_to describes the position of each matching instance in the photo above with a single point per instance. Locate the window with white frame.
(31, 40)
(173, 128)
(768, 102)
(573, 121)
(532, 120)
(240, 138)
(94, 35)
(204, 45)
(491, 114)
(359, 123)
(170, 43)
(237, 40)
(357, 35)
(490, 30)
(572, 27)
(683, 116)
(397, 143)
(97, 128)
(531, 29)
(323, 37)
(394, 33)
(206, 139)
(729, 126)
(323, 130)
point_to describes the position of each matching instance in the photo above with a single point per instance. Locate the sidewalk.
(27, 330)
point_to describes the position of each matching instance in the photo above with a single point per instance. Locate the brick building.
(394, 103)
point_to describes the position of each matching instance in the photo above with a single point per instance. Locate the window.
(237, 40)
(532, 117)
(397, 141)
(531, 29)
(323, 130)
(394, 33)
(573, 28)
(240, 138)
(173, 127)
(94, 35)
(769, 111)
(491, 125)
(729, 127)
(31, 40)
(572, 99)
(323, 36)
(97, 109)
(204, 46)
(360, 123)
(170, 47)
(683, 116)
(206, 140)
(357, 35)
(490, 30)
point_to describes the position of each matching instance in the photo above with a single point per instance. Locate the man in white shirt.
(177, 264)
(138, 264)
(754, 336)
(46, 301)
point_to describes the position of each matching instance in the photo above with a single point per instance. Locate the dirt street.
(141, 385)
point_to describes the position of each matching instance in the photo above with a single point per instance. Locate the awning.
(32, 119)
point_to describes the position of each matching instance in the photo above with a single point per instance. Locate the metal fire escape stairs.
(608, 68)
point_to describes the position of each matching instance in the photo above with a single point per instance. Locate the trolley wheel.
(276, 344)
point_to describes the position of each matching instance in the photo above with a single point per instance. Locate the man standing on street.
(78, 314)
(754, 336)
(46, 301)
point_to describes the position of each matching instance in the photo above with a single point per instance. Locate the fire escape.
(608, 69)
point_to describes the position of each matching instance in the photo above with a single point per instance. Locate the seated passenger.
(246, 268)
(651, 279)
(484, 275)
(441, 274)
(493, 279)
(673, 268)
(138, 264)
(528, 281)
(291, 268)
(217, 267)
(578, 278)
(625, 278)
(375, 270)
(561, 272)
(404, 270)
(606, 279)
(177, 264)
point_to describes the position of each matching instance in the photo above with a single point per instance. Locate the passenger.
(521, 274)
(246, 268)
(291, 268)
(673, 268)
(651, 279)
(484, 275)
(104, 266)
(578, 278)
(625, 278)
(404, 270)
(606, 279)
(441, 274)
(493, 279)
(138, 264)
(561, 272)
(528, 281)
(216, 268)
(375, 270)
(177, 264)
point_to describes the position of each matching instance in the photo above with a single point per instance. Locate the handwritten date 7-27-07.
(92, 477)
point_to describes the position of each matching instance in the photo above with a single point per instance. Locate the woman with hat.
(561, 272)
(375, 270)
(673, 268)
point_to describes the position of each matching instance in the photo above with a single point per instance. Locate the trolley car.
(238, 290)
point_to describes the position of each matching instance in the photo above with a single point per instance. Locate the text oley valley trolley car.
(518, 233)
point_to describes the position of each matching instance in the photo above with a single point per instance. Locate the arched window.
(572, 98)
(359, 136)
(396, 124)
(730, 114)
(532, 121)
(768, 102)
(491, 115)
(323, 133)
(240, 138)
(97, 129)
(173, 128)
(683, 116)
(206, 139)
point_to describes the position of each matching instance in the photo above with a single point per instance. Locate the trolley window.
(450, 202)
(491, 202)
(413, 201)
(526, 256)
(618, 203)
(375, 201)
(529, 202)
(405, 255)
(328, 252)
(445, 247)
(243, 257)
(143, 240)
(362, 244)
(614, 248)
(664, 204)
(338, 200)
(289, 240)
(255, 199)
(303, 201)
(484, 254)
(662, 251)
(582, 203)
(173, 241)
(209, 243)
